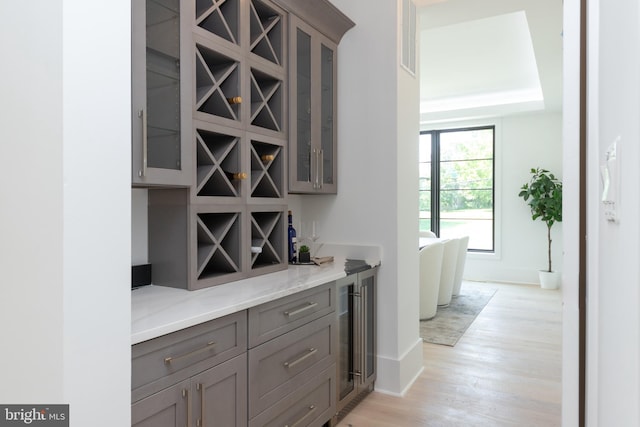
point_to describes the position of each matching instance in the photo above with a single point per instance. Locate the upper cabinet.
(315, 28)
(161, 132)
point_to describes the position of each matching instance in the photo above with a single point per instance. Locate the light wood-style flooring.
(504, 371)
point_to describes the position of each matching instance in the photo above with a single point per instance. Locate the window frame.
(435, 179)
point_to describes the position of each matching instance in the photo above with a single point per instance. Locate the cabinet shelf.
(219, 18)
(218, 250)
(267, 177)
(266, 101)
(217, 153)
(267, 230)
(266, 31)
(217, 78)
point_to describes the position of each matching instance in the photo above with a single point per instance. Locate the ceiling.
(482, 58)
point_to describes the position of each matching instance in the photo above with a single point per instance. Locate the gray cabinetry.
(291, 365)
(161, 94)
(315, 29)
(356, 314)
(198, 374)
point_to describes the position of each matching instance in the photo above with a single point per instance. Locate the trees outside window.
(456, 172)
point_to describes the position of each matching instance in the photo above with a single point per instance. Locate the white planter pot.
(549, 280)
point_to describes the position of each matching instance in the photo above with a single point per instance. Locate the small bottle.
(266, 158)
(293, 241)
(235, 100)
(236, 175)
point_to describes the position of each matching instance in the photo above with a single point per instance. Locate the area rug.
(450, 323)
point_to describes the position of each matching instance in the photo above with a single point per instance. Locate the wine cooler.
(356, 313)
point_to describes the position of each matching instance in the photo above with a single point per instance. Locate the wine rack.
(266, 32)
(266, 101)
(218, 245)
(218, 154)
(220, 18)
(217, 81)
(267, 233)
(267, 169)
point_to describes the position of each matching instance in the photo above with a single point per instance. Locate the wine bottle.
(235, 100)
(293, 241)
(235, 175)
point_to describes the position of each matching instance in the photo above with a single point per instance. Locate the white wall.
(65, 182)
(31, 218)
(613, 355)
(522, 142)
(377, 186)
(571, 214)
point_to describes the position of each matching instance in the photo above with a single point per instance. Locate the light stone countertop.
(159, 310)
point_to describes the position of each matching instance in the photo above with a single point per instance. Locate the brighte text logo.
(42, 416)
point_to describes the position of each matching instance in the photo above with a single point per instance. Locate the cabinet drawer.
(280, 366)
(311, 405)
(275, 318)
(163, 361)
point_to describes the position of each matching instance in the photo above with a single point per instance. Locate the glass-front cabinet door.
(312, 149)
(160, 130)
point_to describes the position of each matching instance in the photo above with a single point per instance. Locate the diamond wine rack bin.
(217, 80)
(267, 231)
(267, 170)
(219, 17)
(217, 156)
(267, 30)
(266, 101)
(218, 241)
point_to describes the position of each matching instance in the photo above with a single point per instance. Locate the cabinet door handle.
(310, 410)
(145, 143)
(185, 393)
(321, 167)
(310, 352)
(169, 359)
(307, 306)
(200, 421)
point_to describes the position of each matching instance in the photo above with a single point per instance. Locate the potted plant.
(304, 256)
(543, 194)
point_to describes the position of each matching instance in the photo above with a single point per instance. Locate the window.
(457, 184)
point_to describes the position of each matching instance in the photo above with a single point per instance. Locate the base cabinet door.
(167, 408)
(220, 395)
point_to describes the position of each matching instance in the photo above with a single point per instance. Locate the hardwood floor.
(504, 371)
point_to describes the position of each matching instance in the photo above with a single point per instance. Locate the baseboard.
(396, 376)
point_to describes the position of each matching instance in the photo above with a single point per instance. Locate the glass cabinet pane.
(326, 113)
(163, 83)
(346, 381)
(369, 325)
(303, 113)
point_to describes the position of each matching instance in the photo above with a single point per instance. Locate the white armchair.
(430, 269)
(463, 244)
(449, 262)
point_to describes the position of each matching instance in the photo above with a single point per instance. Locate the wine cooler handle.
(145, 143)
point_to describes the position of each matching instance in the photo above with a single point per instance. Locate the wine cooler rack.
(266, 101)
(218, 155)
(217, 82)
(267, 29)
(267, 233)
(218, 244)
(267, 170)
(219, 17)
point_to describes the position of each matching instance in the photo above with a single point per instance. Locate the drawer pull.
(307, 306)
(310, 352)
(168, 360)
(310, 410)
